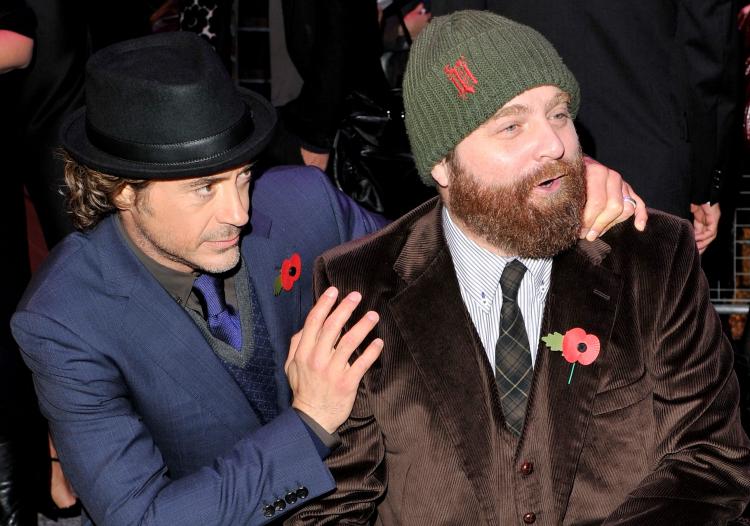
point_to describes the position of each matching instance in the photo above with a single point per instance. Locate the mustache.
(552, 170)
(223, 234)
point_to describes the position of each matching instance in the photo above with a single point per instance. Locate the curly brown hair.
(90, 194)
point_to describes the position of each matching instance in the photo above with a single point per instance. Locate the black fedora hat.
(164, 107)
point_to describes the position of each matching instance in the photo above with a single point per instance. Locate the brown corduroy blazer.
(647, 434)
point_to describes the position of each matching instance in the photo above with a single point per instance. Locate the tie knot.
(212, 289)
(511, 278)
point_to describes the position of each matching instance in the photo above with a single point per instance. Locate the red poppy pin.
(291, 270)
(576, 347)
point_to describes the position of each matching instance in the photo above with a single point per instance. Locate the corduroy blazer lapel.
(445, 348)
(582, 294)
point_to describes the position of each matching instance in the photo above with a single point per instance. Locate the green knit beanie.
(464, 67)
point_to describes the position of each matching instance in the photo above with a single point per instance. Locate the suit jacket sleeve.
(358, 490)
(701, 473)
(117, 469)
(707, 32)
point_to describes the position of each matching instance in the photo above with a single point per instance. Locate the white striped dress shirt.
(479, 270)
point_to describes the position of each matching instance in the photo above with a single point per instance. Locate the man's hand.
(322, 380)
(60, 490)
(605, 203)
(319, 160)
(705, 223)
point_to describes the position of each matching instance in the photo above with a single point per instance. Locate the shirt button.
(279, 504)
(527, 468)
(529, 518)
(269, 510)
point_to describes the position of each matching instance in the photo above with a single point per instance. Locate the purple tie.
(222, 319)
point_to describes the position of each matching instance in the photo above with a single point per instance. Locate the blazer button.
(279, 504)
(269, 510)
(529, 518)
(291, 497)
(527, 468)
(302, 492)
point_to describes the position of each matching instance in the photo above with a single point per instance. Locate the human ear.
(124, 198)
(440, 173)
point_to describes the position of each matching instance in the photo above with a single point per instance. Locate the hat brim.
(75, 141)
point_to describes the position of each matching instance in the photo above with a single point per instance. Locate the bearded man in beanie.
(528, 377)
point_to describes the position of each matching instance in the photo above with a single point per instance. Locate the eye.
(205, 190)
(561, 115)
(509, 129)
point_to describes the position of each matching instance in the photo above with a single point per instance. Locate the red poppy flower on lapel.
(576, 346)
(291, 270)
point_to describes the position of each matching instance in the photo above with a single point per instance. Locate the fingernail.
(378, 342)
(592, 235)
(354, 296)
(331, 292)
(372, 316)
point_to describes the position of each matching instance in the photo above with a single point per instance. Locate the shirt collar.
(479, 270)
(178, 284)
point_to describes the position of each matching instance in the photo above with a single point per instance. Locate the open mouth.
(548, 183)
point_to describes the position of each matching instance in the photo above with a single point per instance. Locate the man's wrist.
(324, 441)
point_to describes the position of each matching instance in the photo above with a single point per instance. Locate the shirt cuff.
(324, 441)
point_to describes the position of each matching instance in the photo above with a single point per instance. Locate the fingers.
(605, 189)
(350, 341)
(705, 224)
(362, 364)
(315, 320)
(331, 330)
(641, 214)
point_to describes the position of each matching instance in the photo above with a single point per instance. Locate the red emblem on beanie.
(461, 77)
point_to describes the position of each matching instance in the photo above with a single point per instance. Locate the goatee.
(514, 220)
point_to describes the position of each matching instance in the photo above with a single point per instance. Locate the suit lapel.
(582, 294)
(438, 332)
(162, 331)
(281, 313)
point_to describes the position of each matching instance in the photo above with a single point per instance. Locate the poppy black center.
(292, 271)
(581, 347)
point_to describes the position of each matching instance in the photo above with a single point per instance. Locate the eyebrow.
(520, 109)
(202, 181)
(210, 179)
(560, 98)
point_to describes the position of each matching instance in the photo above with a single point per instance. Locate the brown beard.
(506, 217)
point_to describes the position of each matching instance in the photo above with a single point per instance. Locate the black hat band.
(174, 153)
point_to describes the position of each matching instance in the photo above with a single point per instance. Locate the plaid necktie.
(223, 321)
(513, 370)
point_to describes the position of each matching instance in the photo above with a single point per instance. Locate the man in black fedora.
(159, 334)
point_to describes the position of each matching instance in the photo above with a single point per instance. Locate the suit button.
(302, 492)
(279, 504)
(529, 518)
(527, 468)
(291, 497)
(268, 510)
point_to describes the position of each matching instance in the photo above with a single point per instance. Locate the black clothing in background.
(659, 82)
(335, 46)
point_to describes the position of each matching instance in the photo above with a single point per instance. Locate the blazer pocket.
(623, 397)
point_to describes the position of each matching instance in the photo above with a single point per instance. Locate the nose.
(549, 143)
(233, 209)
